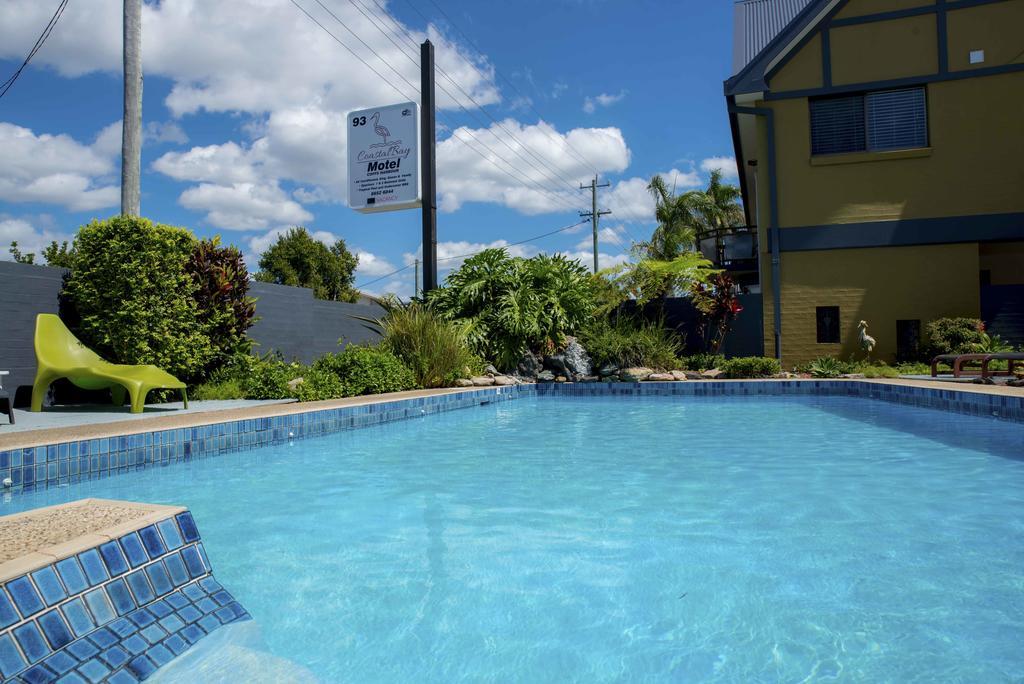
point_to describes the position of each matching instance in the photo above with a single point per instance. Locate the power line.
(6, 85)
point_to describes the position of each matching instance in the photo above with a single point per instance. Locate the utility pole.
(428, 169)
(131, 127)
(416, 282)
(594, 215)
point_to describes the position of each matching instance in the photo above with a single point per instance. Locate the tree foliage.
(135, 300)
(224, 307)
(511, 304)
(298, 259)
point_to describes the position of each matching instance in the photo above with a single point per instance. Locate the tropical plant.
(298, 259)
(19, 257)
(751, 367)
(826, 367)
(647, 280)
(59, 255)
(510, 305)
(221, 290)
(625, 342)
(991, 344)
(367, 370)
(134, 299)
(436, 349)
(703, 361)
(717, 307)
(954, 335)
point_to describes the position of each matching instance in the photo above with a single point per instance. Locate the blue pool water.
(624, 539)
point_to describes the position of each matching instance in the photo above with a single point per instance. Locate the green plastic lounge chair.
(59, 354)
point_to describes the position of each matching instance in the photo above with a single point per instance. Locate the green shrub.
(703, 361)
(913, 369)
(367, 370)
(751, 367)
(133, 297)
(625, 342)
(954, 335)
(319, 384)
(222, 298)
(827, 367)
(267, 377)
(879, 370)
(435, 349)
(510, 305)
(231, 388)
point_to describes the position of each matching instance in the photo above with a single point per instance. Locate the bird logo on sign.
(380, 129)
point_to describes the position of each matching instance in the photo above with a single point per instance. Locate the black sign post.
(428, 168)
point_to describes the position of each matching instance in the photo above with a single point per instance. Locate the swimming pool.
(619, 538)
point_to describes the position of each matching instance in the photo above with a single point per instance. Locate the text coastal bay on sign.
(383, 167)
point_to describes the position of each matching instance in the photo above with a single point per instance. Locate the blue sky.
(245, 103)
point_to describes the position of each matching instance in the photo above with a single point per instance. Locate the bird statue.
(380, 130)
(867, 342)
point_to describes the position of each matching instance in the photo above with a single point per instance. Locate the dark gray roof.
(756, 22)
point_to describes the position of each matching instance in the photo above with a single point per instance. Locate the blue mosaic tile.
(8, 616)
(153, 634)
(74, 678)
(71, 574)
(120, 597)
(31, 641)
(159, 579)
(61, 663)
(82, 649)
(94, 671)
(207, 605)
(172, 623)
(142, 617)
(209, 623)
(139, 585)
(142, 667)
(25, 596)
(133, 549)
(160, 609)
(11, 661)
(188, 526)
(114, 558)
(95, 570)
(176, 644)
(152, 542)
(193, 591)
(192, 634)
(135, 644)
(190, 614)
(169, 532)
(193, 562)
(121, 677)
(176, 569)
(160, 655)
(55, 629)
(115, 657)
(49, 586)
(99, 606)
(78, 617)
(104, 638)
(40, 674)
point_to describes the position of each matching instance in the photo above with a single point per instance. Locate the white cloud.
(543, 179)
(371, 265)
(630, 200)
(590, 104)
(727, 165)
(451, 254)
(605, 236)
(55, 169)
(244, 206)
(604, 260)
(29, 236)
(165, 132)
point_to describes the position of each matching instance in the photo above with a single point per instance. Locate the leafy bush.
(222, 298)
(702, 361)
(510, 304)
(626, 342)
(717, 307)
(954, 335)
(299, 259)
(319, 384)
(266, 377)
(751, 367)
(134, 299)
(230, 388)
(435, 349)
(367, 370)
(827, 367)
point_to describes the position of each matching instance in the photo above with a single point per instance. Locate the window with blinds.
(883, 120)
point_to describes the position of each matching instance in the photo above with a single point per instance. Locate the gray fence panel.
(1002, 309)
(24, 292)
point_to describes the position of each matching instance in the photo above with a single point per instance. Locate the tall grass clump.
(435, 349)
(625, 342)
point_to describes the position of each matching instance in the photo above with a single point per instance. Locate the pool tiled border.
(114, 611)
(68, 462)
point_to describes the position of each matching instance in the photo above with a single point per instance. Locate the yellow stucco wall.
(879, 285)
(973, 165)
(803, 70)
(858, 8)
(884, 50)
(996, 28)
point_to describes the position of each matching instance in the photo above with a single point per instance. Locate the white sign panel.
(383, 158)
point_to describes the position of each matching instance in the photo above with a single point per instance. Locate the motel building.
(881, 153)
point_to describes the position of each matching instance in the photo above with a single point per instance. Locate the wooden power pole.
(594, 215)
(131, 130)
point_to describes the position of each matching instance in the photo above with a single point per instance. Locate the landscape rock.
(561, 378)
(529, 366)
(635, 374)
(608, 369)
(590, 378)
(852, 376)
(1015, 382)
(293, 384)
(505, 380)
(711, 374)
(482, 381)
(556, 363)
(693, 375)
(577, 361)
(491, 370)
(660, 377)
(463, 382)
(679, 375)
(545, 376)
